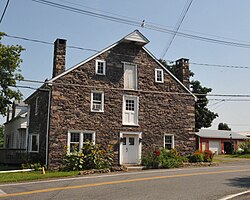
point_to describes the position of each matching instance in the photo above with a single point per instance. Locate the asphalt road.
(174, 184)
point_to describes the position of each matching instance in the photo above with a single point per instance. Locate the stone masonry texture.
(164, 108)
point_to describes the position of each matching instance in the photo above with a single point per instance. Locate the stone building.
(121, 96)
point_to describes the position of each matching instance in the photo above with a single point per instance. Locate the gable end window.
(97, 101)
(168, 141)
(100, 67)
(77, 139)
(34, 143)
(159, 78)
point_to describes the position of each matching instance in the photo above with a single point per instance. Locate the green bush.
(197, 157)
(245, 146)
(90, 157)
(162, 159)
(150, 160)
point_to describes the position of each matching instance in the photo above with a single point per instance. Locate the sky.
(226, 20)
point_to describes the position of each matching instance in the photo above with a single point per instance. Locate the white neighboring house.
(16, 126)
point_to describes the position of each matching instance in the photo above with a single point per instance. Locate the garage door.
(214, 146)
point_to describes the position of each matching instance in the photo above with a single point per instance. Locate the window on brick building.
(100, 67)
(159, 78)
(97, 101)
(77, 139)
(168, 141)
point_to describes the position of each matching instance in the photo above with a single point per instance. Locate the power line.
(214, 65)
(177, 27)
(80, 85)
(6, 6)
(94, 50)
(137, 23)
(49, 43)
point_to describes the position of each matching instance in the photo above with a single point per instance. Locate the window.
(130, 110)
(100, 67)
(159, 76)
(77, 139)
(97, 101)
(36, 106)
(34, 143)
(168, 141)
(130, 76)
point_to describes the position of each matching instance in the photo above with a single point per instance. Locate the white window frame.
(104, 67)
(172, 140)
(136, 107)
(162, 76)
(30, 142)
(81, 143)
(36, 105)
(92, 101)
(136, 76)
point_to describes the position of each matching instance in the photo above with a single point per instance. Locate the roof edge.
(169, 72)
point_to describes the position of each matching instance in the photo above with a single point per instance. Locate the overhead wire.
(137, 23)
(95, 50)
(177, 27)
(88, 86)
(4, 11)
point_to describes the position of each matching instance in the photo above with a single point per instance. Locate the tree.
(9, 73)
(203, 116)
(1, 136)
(223, 126)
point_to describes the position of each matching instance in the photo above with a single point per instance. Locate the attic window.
(100, 67)
(159, 76)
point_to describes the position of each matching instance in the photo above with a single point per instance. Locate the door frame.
(139, 135)
(135, 75)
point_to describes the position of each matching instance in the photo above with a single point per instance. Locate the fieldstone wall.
(164, 108)
(38, 123)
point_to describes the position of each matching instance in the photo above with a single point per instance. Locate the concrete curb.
(19, 170)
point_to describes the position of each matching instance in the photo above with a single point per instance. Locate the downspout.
(48, 121)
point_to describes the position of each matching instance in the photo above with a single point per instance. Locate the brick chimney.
(183, 73)
(59, 57)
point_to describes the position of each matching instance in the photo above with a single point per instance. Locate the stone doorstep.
(130, 168)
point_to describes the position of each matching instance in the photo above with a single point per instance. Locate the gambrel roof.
(136, 37)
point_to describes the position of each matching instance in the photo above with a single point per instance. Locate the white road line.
(234, 195)
(121, 174)
(2, 192)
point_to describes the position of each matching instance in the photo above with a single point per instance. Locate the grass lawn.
(35, 175)
(240, 156)
(229, 158)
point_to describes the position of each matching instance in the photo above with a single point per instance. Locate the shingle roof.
(207, 133)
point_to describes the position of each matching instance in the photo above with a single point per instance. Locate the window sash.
(169, 141)
(97, 101)
(159, 75)
(33, 143)
(84, 137)
(100, 67)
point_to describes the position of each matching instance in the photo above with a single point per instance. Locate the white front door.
(130, 147)
(130, 76)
